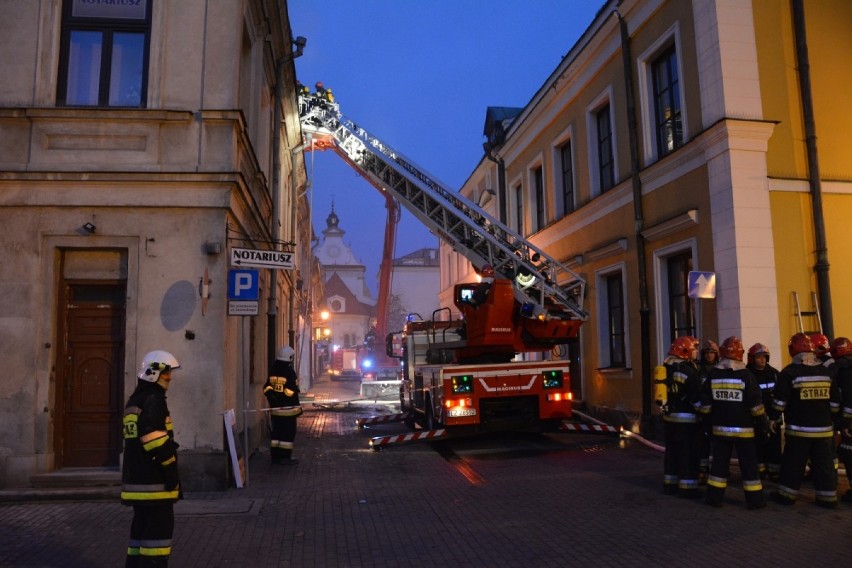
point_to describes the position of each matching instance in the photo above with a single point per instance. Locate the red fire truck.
(486, 366)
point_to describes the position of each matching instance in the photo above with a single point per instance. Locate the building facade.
(347, 298)
(672, 138)
(139, 144)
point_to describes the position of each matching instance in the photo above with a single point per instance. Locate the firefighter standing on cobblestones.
(809, 399)
(680, 419)
(731, 398)
(768, 447)
(150, 481)
(282, 393)
(708, 359)
(841, 350)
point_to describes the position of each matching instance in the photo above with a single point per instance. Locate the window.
(538, 187)
(681, 321)
(667, 115)
(567, 171)
(104, 56)
(615, 319)
(519, 209)
(606, 171)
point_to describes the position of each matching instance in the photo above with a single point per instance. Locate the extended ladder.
(541, 281)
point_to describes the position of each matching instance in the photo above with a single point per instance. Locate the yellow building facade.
(670, 140)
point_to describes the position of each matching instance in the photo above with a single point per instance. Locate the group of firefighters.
(714, 404)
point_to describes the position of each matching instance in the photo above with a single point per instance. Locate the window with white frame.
(667, 115)
(605, 154)
(681, 320)
(612, 314)
(519, 208)
(537, 179)
(661, 95)
(600, 126)
(566, 178)
(104, 54)
(674, 307)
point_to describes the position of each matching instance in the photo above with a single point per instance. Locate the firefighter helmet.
(840, 347)
(710, 346)
(757, 349)
(684, 347)
(800, 343)
(286, 353)
(821, 344)
(156, 363)
(732, 348)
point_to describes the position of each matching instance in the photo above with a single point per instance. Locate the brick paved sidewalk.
(557, 501)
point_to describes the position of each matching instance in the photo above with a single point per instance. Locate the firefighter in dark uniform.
(809, 399)
(707, 360)
(731, 398)
(768, 447)
(680, 419)
(282, 393)
(841, 350)
(149, 477)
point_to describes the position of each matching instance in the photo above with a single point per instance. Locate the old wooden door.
(90, 390)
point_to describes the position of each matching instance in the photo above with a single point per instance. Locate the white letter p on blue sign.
(243, 284)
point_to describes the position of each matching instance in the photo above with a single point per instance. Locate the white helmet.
(286, 353)
(157, 362)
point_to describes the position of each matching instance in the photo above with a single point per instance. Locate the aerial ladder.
(460, 374)
(546, 288)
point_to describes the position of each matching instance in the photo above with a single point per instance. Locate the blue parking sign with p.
(243, 285)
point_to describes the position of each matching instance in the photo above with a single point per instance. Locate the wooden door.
(91, 384)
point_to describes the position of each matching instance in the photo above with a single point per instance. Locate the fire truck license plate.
(462, 412)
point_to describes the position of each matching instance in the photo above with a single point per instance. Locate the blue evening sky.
(419, 75)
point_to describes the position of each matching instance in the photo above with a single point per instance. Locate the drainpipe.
(639, 225)
(275, 229)
(501, 183)
(821, 265)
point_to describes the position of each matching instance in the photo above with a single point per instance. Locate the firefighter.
(768, 447)
(822, 350)
(809, 399)
(149, 477)
(282, 393)
(841, 351)
(731, 398)
(707, 360)
(680, 419)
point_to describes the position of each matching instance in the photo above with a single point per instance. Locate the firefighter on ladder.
(282, 393)
(149, 476)
(680, 418)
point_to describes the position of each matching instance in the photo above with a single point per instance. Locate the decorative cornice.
(671, 226)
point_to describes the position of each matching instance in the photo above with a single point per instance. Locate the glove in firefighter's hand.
(170, 477)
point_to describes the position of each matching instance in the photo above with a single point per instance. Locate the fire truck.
(346, 364)
(484, 367)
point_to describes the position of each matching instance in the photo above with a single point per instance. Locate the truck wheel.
(431, 423)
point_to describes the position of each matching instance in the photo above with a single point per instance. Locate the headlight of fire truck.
(554, 380)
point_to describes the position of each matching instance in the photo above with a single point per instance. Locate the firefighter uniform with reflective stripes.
(282, 394)
(681, 429)
(768, 447)
(809, 398)
(732, 400)
(150, 481)
(844, 450)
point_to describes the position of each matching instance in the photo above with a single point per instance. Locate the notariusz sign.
(246, 258)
